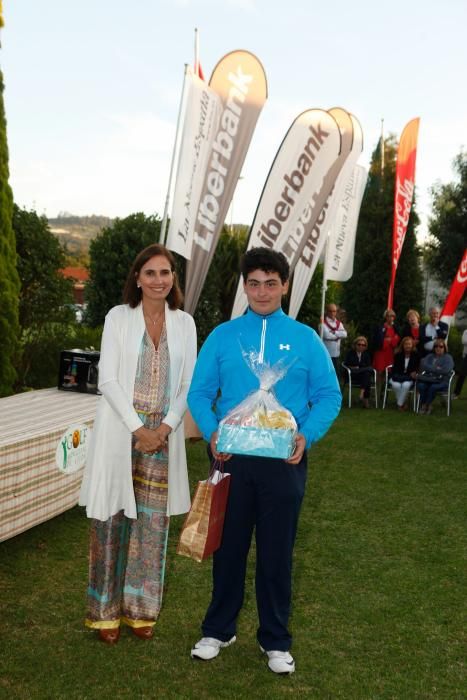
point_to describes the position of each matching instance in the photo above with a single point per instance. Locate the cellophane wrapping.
(259, 425)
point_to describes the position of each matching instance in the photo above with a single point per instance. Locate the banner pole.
(382, 148)
(324, 289)
(196, 52)
(177, 130)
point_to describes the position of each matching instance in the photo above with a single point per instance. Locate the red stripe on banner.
(199, 71)
(457, 289)
(403, 196)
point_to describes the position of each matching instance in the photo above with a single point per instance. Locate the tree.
(310, 310)
(365, 294)
(448, 225)
(218, 294)
(111, 254)
(43, 314)
(9, 280)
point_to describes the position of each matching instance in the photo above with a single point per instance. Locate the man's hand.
(300, 445)
(221, 456)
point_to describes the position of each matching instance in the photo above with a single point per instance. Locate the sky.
(92, 89)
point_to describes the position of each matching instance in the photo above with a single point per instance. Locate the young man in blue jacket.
(265, 493)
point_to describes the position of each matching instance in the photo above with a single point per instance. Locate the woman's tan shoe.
(143, 632)
(109, 635)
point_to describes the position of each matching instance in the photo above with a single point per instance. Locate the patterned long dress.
(127, 557)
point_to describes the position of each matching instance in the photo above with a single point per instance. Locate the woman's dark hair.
(266, 260)
(132, 293)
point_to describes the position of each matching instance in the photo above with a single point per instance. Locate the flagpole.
(324, 289)
(196, 52)
(382, 147)
(177, 129)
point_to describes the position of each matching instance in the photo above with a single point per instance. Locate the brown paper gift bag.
(202, 530)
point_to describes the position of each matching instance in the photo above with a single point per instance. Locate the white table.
(32, 489)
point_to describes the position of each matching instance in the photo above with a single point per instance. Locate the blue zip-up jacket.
(222, 378)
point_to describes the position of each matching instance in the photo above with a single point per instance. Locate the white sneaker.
(280, 661)
(208, 648)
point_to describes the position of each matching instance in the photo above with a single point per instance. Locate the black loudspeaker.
(79, 371)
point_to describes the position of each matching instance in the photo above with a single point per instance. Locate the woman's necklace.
(154, 320)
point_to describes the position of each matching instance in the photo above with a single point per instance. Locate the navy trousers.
(265, 496)
(428, 391)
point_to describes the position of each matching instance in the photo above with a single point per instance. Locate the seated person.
(437, 367)
(404, 371)
(430, 331)
(358, 361)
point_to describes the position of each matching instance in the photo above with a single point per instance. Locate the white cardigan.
(107, 485)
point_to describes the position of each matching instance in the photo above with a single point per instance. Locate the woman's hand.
(300, 445)
(154, 440)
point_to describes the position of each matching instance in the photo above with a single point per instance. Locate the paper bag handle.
(216, 464)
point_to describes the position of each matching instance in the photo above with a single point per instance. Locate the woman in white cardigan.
(136, 472)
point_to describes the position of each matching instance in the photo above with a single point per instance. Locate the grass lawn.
(379, 585)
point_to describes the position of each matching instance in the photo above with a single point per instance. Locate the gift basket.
(259, 425)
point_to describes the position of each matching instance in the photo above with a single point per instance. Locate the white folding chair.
(349, 381)
(388, 387)
(445, 395)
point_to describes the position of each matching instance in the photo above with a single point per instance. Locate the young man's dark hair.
(267, 260)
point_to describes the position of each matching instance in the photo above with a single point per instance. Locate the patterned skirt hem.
(114, 624)
(102, 624)
(138, 623)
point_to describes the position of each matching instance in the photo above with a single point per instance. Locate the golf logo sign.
(72, 447)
